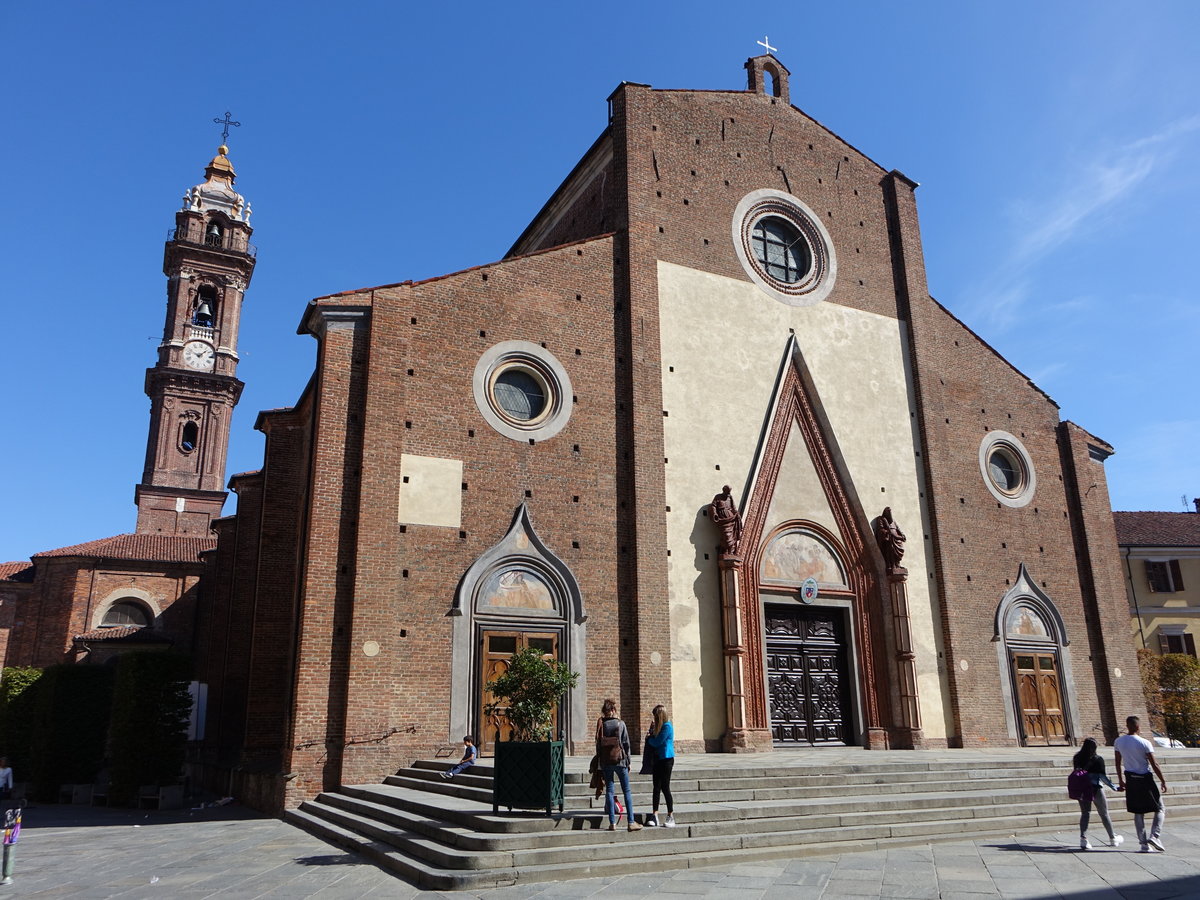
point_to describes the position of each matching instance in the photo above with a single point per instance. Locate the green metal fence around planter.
(528, 776)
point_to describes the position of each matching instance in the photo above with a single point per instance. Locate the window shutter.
(1164, 645)
(1189, 644)
(1156, 575)
(1176, 575)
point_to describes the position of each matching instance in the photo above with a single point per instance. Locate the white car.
(1162, 740)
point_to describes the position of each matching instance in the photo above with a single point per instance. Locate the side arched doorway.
(1034, 658)
(515, 596)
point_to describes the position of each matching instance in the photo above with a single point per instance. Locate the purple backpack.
(1079, 785)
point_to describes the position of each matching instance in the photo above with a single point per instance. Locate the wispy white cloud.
(1093, 193)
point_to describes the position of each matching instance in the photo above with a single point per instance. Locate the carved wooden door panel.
(806, 676)
(1050, 694)
(1039, 694)
(497, 649)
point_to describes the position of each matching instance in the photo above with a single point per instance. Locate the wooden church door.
(498, 648)
(806, 675)
(1039, 694)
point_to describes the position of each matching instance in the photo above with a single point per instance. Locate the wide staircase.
(442, 835)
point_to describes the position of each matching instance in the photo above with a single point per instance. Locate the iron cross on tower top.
(226, 122)
(765, 42)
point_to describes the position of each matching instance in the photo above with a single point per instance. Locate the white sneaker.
(1155, 843)
(1146, 848)
(651, 821)
(670, 822)
(1117, 841)
(1084, 843)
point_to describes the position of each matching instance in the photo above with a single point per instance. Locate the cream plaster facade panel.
(430, 491)
(722, 343)
(798, 492)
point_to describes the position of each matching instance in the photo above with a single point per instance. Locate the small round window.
(781, 249)
(522, 391)
(1007, 469)
(784, 248)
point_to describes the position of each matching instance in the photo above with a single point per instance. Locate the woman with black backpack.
(1086, 785)
(612, 755)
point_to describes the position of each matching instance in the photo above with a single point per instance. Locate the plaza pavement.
(227, 853)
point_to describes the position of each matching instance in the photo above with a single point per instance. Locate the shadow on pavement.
(60, 815)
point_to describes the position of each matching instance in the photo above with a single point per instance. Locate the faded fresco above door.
(794, 556)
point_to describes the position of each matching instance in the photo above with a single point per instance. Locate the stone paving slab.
(228, 853)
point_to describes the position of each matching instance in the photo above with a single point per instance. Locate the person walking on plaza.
(661, 741)
(1136, 754)
(612, 752)
(1091, 777)
(470, 754)
(6, 779)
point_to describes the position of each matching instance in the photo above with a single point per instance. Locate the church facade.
(703, 435)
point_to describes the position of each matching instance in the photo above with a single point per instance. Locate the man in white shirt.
(1141, 794)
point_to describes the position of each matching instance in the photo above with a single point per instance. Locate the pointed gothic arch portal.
(518, 594)
(805, 673)
(1035, 664)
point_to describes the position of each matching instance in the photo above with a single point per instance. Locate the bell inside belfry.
(204, 313)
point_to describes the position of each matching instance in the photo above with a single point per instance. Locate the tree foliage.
(531, 687)
(1148, 665)
(1179, 683)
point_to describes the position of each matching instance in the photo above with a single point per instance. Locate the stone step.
(442, 834)
(449, 868)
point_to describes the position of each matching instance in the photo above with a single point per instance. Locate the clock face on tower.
(198, 355)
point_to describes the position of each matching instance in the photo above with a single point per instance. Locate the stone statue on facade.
(725, 516)
(891, 540)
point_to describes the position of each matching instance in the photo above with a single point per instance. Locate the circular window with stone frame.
(1007, 469)
(784, 248)
(522, 391)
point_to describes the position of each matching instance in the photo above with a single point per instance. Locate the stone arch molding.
(126, 593)
(520, 553)
(1025, 592)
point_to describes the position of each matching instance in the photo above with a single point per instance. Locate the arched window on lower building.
(126, 612)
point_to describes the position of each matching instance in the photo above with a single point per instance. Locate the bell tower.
(193, 387)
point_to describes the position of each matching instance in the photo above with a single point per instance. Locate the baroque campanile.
(193, 387)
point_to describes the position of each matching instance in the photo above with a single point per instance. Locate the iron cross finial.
(765, 42)
(226, 122)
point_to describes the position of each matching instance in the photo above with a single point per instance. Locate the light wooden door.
(1039, 693)
(497, 648)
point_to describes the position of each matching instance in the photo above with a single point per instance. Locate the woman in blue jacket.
(662, 740)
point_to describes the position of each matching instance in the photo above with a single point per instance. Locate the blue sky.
(1055, 144)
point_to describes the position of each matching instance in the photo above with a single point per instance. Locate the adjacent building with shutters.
(1160, 554)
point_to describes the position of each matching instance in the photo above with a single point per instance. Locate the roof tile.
(151, 547)
(1157, 529)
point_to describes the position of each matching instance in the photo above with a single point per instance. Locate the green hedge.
(70, 726)
(150, 712)
(16, 716)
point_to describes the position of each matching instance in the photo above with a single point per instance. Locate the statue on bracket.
(891, 540)
(725, 516)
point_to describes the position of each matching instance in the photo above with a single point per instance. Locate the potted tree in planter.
(529, 768)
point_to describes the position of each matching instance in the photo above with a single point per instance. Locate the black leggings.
(662, 783)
